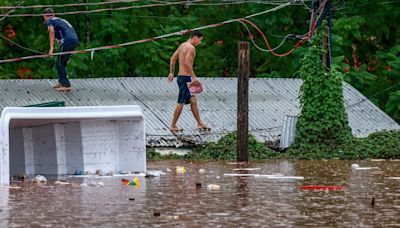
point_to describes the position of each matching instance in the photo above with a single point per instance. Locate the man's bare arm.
(189, 59)
(51, 38)
(172, 62)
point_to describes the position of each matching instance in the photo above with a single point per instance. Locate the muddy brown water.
(173, 200)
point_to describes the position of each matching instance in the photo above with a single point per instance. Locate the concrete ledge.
(62, 140)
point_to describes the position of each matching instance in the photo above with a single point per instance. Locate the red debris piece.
(318, 187)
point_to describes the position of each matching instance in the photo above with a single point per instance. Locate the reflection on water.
(174, 200)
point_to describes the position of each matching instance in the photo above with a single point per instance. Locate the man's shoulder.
(187, 47)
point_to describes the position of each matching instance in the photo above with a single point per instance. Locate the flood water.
(369, 198)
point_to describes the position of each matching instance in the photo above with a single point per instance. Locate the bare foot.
(63, 89)
(203, 127)
(58, 85)
(175, 129)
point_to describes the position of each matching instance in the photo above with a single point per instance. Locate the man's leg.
(62, 61)
(195, 111)
(177, 113)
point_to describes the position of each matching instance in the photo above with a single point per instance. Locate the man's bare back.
(185, 53)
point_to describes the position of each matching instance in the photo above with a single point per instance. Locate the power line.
(182, 32)
(20, 46)
(374, 95)
(10, 11)
(103, 10)
(68, 5)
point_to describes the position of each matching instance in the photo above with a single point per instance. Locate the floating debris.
(319, 187)
(246, 169)
(394, 178)
(377, 160)
(213, 187)
(180, 169)
(125, 181)
(357, 167)
(202, 171)
(240, 174)
(39, 178)
(280, 177)
(154, 173)
(274, 176)
(173, 217)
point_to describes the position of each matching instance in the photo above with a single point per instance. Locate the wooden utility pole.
(326, 57)
(243, 102)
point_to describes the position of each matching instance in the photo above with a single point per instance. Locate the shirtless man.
(186, 54)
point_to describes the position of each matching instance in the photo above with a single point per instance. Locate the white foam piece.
(246, 169)
(284, 177)
(130, 175)
(394, 178)
(81, 176)
(365, 168)
(240, 174)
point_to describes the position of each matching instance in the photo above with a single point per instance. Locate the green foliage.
(323, 121)
(380, 145)
(152, 154)
(393, 104)
(225, 149)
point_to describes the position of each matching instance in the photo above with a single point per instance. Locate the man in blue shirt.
(62, 31)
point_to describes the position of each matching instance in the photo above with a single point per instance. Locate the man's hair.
(196, 33)
(49, 11)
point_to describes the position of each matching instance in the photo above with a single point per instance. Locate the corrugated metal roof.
(270, 101)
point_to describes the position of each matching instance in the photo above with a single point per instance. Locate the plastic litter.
(132, 199)
(134, 182)
(378, 160)
(240, 174)
(357, 167)
(180, 169)
(202, 171)
(169, 170)
(156, 214)
(39, 178)
(155, 173)
(394, 178)
(173, 217)
(319, 187)
(280, 177)
(125, 181)
(98, 184)
(14, 187)
(84, 185)
(213, 187)
(61, 183)
(198, 185)
(130, 175)
(274, 176)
